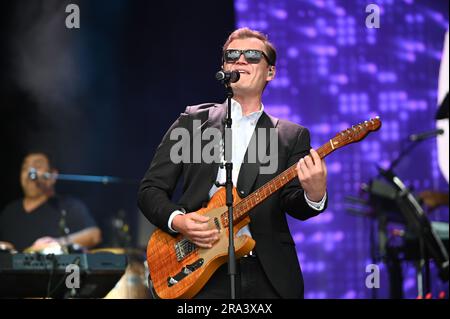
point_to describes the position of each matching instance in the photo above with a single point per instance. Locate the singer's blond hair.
(244, 33)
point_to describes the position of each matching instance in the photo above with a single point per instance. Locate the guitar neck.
(241, 209)
(351, 135)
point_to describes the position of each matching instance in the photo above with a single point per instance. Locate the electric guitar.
(180, 269)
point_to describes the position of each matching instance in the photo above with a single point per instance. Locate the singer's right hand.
(195, 227)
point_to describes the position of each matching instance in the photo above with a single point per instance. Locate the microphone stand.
(415, 139)
(405, 151)
(64, 231)
(34, 174)
(229, 192)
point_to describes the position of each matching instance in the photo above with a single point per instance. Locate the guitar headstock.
(358, 132)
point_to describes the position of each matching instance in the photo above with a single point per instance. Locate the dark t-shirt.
(22, 229)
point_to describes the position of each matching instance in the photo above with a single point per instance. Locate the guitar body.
(177, 269)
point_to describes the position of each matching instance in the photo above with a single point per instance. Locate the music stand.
(416, 218)
(395, 196)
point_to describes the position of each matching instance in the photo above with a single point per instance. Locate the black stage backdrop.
(99, 98)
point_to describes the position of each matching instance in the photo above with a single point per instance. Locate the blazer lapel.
(249, 171)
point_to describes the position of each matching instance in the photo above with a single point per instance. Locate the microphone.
(33, 174)
(425, 135)
(228, 76)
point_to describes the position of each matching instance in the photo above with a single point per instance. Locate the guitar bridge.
(183, 248)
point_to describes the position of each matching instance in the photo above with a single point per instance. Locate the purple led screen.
(332, 72)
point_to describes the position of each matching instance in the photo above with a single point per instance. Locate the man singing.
(272, 269)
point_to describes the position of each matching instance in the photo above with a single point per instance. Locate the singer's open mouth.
(242, 71)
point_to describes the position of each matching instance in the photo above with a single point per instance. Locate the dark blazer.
(275, 247)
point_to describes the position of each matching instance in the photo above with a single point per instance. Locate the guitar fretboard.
(353, 134)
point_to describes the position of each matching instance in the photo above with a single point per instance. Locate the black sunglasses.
(251, 56)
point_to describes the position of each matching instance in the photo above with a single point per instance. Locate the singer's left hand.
(312, 174)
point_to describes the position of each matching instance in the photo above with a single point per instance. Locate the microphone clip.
(227, 77)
